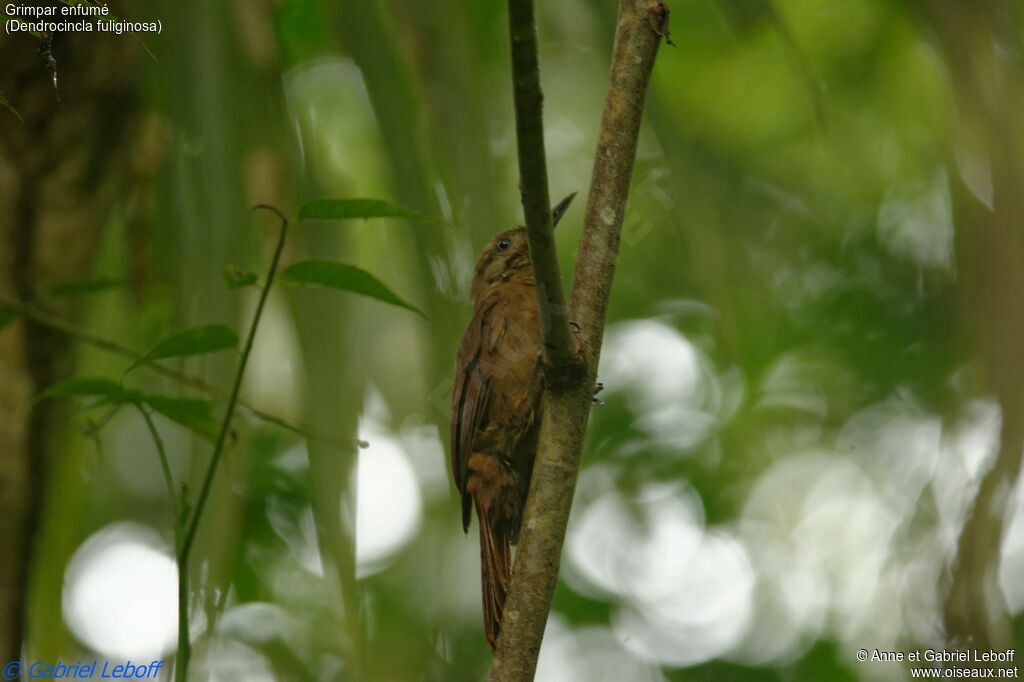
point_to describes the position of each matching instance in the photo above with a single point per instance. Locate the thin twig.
(184, 645)
(161, 453)
(188, 539)
(533, 184)
(184, 641)
(83, 335)
(641, 23)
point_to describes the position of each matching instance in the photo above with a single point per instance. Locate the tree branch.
(533, 184)
(991, 278)
(641, 23)
(638, 32)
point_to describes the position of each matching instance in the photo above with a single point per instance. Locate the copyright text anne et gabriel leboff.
(939, 655)
(23, 17)
(949, 663)
(82, 670)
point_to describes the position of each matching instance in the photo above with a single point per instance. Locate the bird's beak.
(559, 210)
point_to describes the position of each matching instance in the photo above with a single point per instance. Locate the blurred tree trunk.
(982, 50)
(61, 169)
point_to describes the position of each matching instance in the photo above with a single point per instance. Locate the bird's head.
(507, 256)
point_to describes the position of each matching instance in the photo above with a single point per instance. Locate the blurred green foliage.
(799, 242)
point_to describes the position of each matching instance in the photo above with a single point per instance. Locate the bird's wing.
(469, 405)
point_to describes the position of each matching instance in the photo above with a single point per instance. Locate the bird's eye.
(504, 243)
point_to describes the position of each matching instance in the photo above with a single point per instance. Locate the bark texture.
(640, 27)
(533, 183)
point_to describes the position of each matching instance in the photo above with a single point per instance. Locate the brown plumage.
(496, 407)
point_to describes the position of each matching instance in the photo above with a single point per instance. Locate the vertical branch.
(989, 96)
(184, 653)
(639, 29)
(533, 184)
(641, 23)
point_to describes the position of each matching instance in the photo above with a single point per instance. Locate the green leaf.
(344, 277)
(190, 413)
(83, 287)
(237, 279)
(5, 103)
(342, 209)
(84, 386)
(196, 341)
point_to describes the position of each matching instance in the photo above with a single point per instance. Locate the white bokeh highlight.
(120, 593)
(389, 508)
(669, 384)
(685, 593)
(591, 654)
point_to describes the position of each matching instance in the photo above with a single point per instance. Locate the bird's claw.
(598, 387)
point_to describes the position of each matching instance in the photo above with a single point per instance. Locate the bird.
(496, 407)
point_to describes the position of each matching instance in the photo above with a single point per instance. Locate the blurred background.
(812, 434)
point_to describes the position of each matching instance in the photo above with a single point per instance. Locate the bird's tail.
(495, 572)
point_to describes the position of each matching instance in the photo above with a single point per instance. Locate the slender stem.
(567, 407)
(161, 452)
(184, 641)
(183, 628)
(533, 184)
(188, 539)
(225, 427)
(83, 335)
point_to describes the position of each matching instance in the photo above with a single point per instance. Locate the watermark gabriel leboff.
(79, 670)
